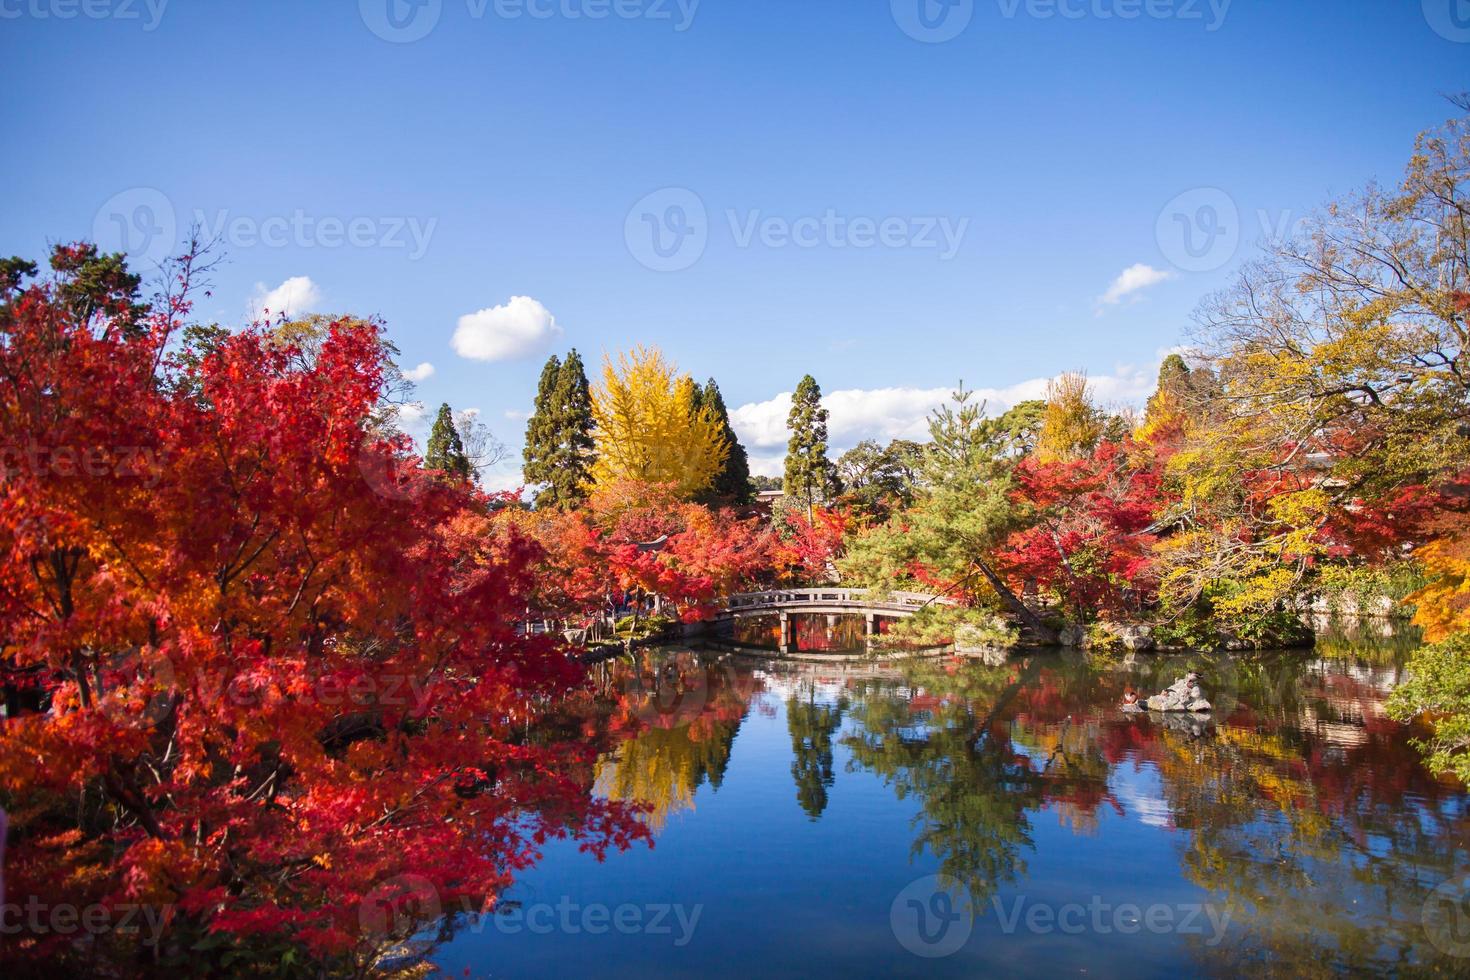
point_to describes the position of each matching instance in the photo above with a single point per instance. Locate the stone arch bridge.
(830, 602)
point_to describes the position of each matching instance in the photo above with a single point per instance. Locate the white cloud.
(520, 328)
(884, 414)
(412, 418)
(423, 372)
(502, 481)
(517, 415)
(1132, 279)
(293, 297)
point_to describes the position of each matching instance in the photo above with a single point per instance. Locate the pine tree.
(571, 453)
(540, 428)
(558, 450)
(810, 477)
(446, 450)
(732, 483)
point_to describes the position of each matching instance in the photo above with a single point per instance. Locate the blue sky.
(997, 191)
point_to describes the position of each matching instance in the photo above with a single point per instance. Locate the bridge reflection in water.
(818, 621)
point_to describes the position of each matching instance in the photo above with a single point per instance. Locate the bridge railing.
(785, 598)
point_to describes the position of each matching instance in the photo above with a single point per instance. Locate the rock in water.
(1183, 695)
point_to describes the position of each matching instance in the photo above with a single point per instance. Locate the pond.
(945, 817)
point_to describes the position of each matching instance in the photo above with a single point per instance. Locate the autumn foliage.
(262, 670)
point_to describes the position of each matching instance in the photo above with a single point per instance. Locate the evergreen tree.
(571, 456)
(732, 482)
(541, 427)
(558, 450)
(446, 450)
(810, 477)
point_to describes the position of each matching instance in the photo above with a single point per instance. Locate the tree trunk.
(1043, 632)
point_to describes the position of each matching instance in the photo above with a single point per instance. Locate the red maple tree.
(262, 671)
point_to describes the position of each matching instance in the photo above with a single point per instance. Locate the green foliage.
(878, 480)
(1192, 629)
(95, 283)
(732, 483)
(1206, 625)
(1395, 581)
(1016, 433)
(642, 627)
(88, 284)
(811, 480)
(812, 724)
(1381, 642)
(559, 446)
(962, 515)
(1102, 638)
(1439, 686)
(446, 450)
(939, 625)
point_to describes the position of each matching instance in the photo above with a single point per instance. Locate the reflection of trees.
(1301, 807)
(821, 633)
(933, 736)
(1306, 811)
(676, 715)
(662, 767)
(1308, 814)
(811, 725)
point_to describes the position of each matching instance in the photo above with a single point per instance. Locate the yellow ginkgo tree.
(650, 427)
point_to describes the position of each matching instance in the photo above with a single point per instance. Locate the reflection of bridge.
(828, 602)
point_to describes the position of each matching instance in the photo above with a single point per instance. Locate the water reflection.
(806, 632)
(1299, 804)
(676, 715)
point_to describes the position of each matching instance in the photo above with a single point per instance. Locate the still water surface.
(960, 818)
